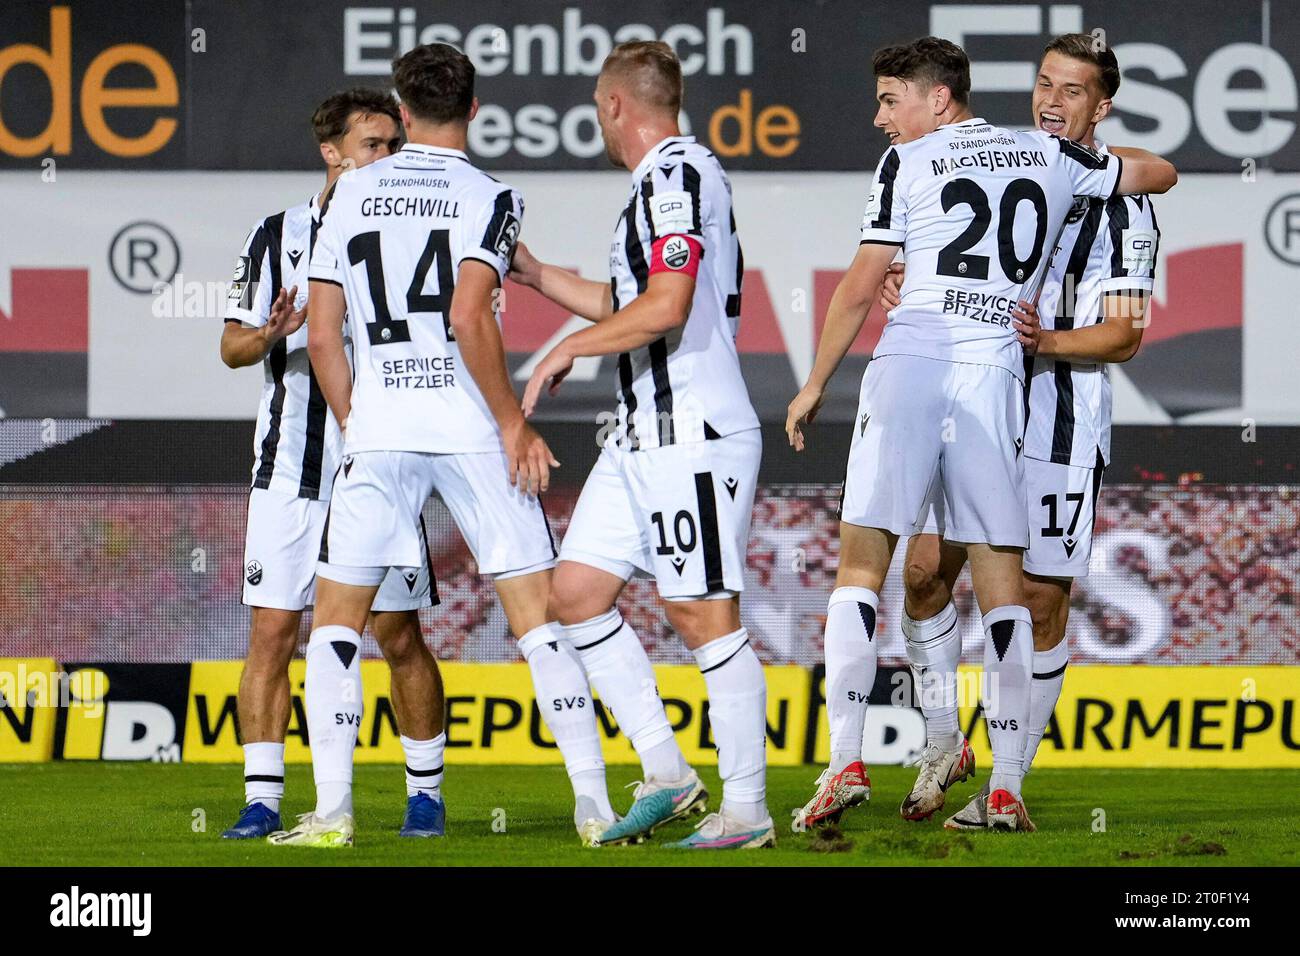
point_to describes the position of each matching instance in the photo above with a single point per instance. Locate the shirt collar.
(652, 156)
(973, 121)
(427, 150)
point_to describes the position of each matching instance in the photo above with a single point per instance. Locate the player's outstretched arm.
(474, 323)
(582, 297)
(1144, 172)
(662, 307)
(329, 358)
(844, 317)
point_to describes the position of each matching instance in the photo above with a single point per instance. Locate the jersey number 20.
(954, 260)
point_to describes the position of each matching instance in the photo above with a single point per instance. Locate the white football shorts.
(375, 514)
(281, 547)
(938, 444)
(1062, 503)
(678, 513)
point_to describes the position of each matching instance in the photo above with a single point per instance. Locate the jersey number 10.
(386, 330)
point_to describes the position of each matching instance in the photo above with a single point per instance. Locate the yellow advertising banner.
(1220, 717)
(492, 715)
(1109, 716)
(29, 700)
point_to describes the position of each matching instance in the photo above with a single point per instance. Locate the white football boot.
(331, 834)
(939, 771)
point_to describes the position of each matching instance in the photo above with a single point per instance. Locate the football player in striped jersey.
(296, 454)
(938, 443)
(1094, 301)
(672, 493)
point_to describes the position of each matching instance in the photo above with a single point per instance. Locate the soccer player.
(940, 418)
(296, 451)
(413, 248)
(1095, 298)
(672, 492)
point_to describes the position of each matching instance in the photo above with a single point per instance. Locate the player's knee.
(570, 603)
(923, 583)
(698, 622)
(399, 637)
(1049, 627)
(271, 639)
(1048, 608)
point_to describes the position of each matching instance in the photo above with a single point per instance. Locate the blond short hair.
(650, 70)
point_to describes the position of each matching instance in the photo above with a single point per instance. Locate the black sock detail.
(1001, 632)
(346, 651)
(1056, 673)
(262, 778)
(705, 670)
(868, 615)
(601, 640)
(423, 773)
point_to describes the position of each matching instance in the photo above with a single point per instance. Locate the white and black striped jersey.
(975, 208)
(296, 443)
(1108, 246)
(394, 234)
(686, 386)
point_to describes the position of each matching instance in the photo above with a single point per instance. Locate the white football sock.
(424, 764)
(564, 699)
(738, 717)
(850, 649)
(1008, 664)
(1049, 676)
(934, 651)
(264, 774)
(334, 708)
(619, 670)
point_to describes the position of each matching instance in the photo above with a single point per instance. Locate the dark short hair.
(435, 82)
(1089, 49)
(928, 60)
(332, 119)
(652, 70)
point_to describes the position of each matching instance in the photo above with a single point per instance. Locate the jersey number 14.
(385, 330)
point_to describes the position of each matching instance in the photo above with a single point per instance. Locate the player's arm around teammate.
(583, 297)
(663, 307)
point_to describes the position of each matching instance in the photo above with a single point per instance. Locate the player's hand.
(557, 364)
(1029, 330)
(529, 458)
(525, 267)
(283, 319)
(891, 290)
(802, 411)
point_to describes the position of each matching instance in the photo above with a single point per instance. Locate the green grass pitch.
(95, 814)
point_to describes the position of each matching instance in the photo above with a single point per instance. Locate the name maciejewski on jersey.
(975, 244)
(1107, 246)
(687, 385)
(296, 442)
(394, 235)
